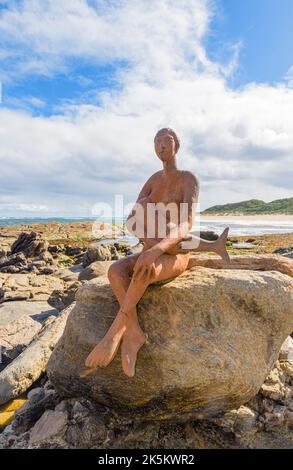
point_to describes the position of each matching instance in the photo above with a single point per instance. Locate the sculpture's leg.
(126, 322)
(133, 336)
(119, 276)
(166, 266)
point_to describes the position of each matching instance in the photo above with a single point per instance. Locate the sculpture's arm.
(144, 192)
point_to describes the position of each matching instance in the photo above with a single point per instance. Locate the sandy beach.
(250, 218)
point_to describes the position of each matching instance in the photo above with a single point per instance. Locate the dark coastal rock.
(74, 251)
(26, 416)
(287, 252)
(13, 263)
(284, 251)
(30, 244)
(27, 247)
(209, 235)
(55, 250)
(213, 336)
(46, 257)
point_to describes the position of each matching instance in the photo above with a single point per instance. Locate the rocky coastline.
(50, 272)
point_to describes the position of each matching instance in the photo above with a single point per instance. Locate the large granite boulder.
(213, 337)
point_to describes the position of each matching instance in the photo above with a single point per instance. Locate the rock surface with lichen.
(213, 337)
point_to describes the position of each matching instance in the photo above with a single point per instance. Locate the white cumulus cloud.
(239, 142)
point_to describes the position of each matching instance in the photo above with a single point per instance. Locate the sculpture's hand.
(181, 247)
(144, 268)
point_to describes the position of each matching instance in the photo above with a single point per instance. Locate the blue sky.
(86, 84)
(264, 28)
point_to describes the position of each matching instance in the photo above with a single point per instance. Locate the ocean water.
(237, 227)
(6, 221)
(248, 227)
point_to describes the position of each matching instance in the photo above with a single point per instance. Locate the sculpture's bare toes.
(221, 246)
(133, 339)
(104, 352)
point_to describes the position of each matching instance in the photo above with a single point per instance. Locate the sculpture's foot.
(105, 351)
(133, 339)
(221, 248)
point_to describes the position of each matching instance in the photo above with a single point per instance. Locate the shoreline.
(263, 217)
(39, 220)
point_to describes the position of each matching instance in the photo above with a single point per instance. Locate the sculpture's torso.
(163, 189)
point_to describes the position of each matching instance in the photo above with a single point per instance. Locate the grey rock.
(286, 351)
(16, 336)
(35, 395)
(90, 432)
(19, 323)
(96, 253)
(51, 425)
(62, 406)
(95, 269)
(66, 275)
(30, 287)
(26, 416)
(8, 431)
(38, 311)
(79, 410)
(18, 376)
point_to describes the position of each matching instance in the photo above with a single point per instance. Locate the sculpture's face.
(165, 146)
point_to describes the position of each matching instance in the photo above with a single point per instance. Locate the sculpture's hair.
(173, 134)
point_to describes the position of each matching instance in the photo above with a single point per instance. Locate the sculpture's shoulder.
(149, 185)
(191, 179)
(155, 177)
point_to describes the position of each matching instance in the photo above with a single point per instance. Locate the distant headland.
(253, 207)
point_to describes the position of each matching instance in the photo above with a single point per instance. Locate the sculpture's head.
(166, 144)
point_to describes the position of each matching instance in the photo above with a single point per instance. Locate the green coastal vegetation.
(253, 207)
